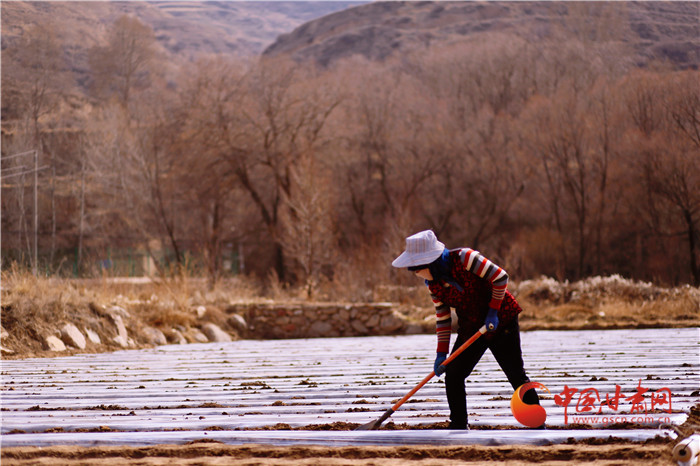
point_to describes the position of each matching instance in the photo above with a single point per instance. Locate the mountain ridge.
(655, 30)
(184, 28)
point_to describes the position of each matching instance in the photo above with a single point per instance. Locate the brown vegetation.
(561, 158)
(35, 308)
(606, 303)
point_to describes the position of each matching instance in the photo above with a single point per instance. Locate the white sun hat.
(421, 248)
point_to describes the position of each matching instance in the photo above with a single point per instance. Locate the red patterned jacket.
(484, 286)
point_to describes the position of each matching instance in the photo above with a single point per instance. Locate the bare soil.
(215, 453)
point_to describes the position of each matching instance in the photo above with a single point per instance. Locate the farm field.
(297, 401)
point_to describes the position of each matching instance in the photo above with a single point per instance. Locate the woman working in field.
(475, 287)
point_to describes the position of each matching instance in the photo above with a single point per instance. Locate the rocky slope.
(667, 31)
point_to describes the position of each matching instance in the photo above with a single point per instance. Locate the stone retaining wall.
(106, 327)
(309, 320)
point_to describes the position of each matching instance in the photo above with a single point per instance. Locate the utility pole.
(35, 265)
(23, 171)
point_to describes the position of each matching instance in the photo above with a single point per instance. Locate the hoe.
(374, 425)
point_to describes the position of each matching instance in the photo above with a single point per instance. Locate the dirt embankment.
(116, 314)
(424, 455)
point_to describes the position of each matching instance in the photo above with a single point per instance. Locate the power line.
(18, 167)
(36, 170)
(14, 156)
(13, 175)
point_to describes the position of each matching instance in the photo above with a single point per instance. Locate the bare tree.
(17, 208)
(676, 177)
(251, 128)
(661, 141)
(394, 150)
(644, 102)
(673, 178)
(284, 115)
(567, 160)
(683, 106)
(124, 63)
(482, 180)
(606, 124)
(34, 80)
(309, 236)
(33, 75)
(496, 143)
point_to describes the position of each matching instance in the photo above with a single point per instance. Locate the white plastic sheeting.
(174, 393)
(330, 438)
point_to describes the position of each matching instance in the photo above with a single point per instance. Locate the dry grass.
(607, 302)
(596, 302)
(34, 308)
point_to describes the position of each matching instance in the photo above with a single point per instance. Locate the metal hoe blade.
(374, 425)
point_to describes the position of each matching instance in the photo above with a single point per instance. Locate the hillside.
(183, 28)
(653, 30)
(326, 31)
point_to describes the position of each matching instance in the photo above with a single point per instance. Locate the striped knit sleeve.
(443, 325)
(484, 268)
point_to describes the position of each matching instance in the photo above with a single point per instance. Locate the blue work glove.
(491, 321)
(437, 367)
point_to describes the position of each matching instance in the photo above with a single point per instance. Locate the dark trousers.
(505, 347)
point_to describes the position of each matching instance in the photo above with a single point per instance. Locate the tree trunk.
(81, 222)
(692, 235)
